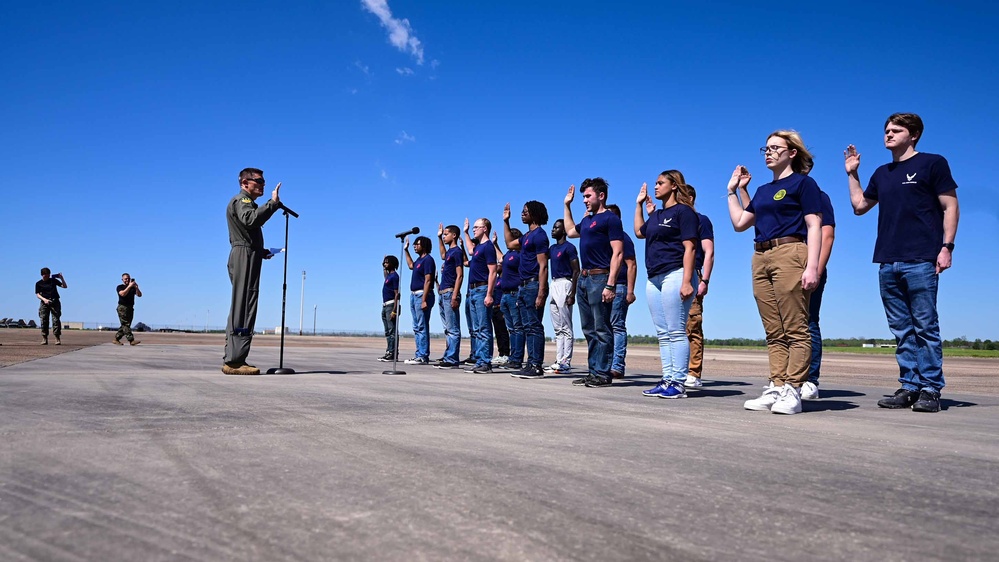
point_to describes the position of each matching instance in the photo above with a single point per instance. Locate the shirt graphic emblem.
(592, 224)
(910, 177)
(666, 222)
(780, 195)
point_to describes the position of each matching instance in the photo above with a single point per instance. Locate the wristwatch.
(949, 246)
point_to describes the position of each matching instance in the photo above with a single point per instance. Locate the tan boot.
(117, 342)
(241, 370)
(134, 342)
(45, 340)
(58, 341)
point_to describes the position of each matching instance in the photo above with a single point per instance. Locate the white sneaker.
(789, 401)
(553, 367)
(501, 360)
(809, 391)
(764, 402)
(693, 382)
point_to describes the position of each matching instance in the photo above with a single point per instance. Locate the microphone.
(414, 230)
(287, 210)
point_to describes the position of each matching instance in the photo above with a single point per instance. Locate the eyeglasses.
(775, 149)
(259, 181)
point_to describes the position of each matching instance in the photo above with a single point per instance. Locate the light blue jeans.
(669, 316)
(482, 327)
(909, 295)
(421, 323)
(452, 326)
(619, 325)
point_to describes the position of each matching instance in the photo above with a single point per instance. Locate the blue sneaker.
(658, 391)
(674, 390)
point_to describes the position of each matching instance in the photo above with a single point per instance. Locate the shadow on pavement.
(838, 393)
(827, 406)
(947, 404)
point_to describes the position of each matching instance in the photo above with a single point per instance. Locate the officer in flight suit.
(247, 240)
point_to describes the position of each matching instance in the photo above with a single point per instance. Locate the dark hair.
(393, 262)
(425, 242)
(538, 212)
(46, 271)
(245, 174)
(910, 121)
(126, 273)
(516, 233)
(453, 229)
(614, 209)
(599, 185)
(682, 195)
(693, 194)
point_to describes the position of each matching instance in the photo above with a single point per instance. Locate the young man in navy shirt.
(917, 224)
(449, 290)
(601, 252)
(704, 264)
(421, 299)
(390, 306)
(564, 261)
(624, 295)
(481, 283)
(509, 284)
(533, 248)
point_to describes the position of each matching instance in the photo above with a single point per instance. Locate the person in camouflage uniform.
(47, 291)
(245, 220)
(127, 292)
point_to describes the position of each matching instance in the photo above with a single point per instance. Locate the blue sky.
(125, 125)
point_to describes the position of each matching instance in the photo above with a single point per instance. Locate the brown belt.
(588, 272)
(771, 244)
(474, 285)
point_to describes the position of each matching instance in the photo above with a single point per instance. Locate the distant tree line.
(958, 343)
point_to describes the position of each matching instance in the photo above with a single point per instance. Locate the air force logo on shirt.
(667, 224)
(910, 177)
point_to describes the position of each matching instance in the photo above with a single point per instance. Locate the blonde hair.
(683, 194)
(802, 162)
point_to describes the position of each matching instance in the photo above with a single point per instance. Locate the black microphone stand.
(281, 370)
(395, 352)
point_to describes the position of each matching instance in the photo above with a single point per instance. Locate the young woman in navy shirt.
(785, 213)
(670, 234)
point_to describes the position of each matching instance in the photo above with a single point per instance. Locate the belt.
(528, 281)
(771, 244)
(418, 293)
(387, 303)
(598, 271)
(446, 291)
(475, 285)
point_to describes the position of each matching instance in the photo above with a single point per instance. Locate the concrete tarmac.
(150, 453)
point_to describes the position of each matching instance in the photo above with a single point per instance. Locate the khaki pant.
(783, 309)
(696, 337)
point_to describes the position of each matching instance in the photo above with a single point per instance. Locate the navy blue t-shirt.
(453, 259)
(531, 244)
(781, 205)
(482, 257)
(595, 235)
(828, 214)
(664, 234)
(629, 253)
(390, 286)
(422, 267)
(510, 278)
(910, 218)
(705, 231)
(561, 256)
(497, 291)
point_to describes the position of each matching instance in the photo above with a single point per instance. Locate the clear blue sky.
(125, 125)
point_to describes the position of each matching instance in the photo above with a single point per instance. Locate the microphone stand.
(281, 369)
(395, 352)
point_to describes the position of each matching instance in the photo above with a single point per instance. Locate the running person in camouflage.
(47, 291)
(127, 292)
(245, 220)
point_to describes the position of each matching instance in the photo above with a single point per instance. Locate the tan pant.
(784, 311)
(696, 337)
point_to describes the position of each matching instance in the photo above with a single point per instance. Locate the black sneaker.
(901, 399)
(445, 365)
(582, 381)
(484, 368)
(514, 366)
(928, 402)
(598, 382)
(469, 361)
(383, 358)
(529, 372)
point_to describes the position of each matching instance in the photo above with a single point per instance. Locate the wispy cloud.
(384, 174)
(404, 137)
(363, 68)
(400, 33)
(405, 71)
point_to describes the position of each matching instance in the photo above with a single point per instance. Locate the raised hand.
(571, 195)
(440, 230)
(650, 204)
(274, 195)
(740, 179)
(406, 244)
(495, 238)
(466, 225)
(643, 193)
(851, 159)
(506, 212)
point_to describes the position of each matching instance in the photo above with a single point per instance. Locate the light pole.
(301, 308)
(314, 309)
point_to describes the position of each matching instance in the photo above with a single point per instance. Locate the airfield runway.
(150, 453)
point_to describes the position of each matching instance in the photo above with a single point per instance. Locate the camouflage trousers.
(125, 317)
(55, 309)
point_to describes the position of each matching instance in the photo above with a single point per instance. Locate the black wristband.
(949, 246)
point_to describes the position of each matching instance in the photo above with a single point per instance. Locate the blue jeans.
(530, 317)
(594, 319)
(452, 326)
(511, 315)
(669, 316)
(421, 323)
(482, 327)
(814, 304)
(619, 321)
(909, 294)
